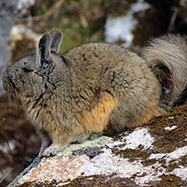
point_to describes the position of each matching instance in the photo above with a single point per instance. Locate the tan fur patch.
(97, 119)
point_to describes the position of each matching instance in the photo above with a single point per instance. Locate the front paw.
(52, 150)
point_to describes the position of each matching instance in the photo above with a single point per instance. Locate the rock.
(15, 130)
(8, 11)
(152, 155)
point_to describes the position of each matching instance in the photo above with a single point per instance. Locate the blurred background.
(129, 23)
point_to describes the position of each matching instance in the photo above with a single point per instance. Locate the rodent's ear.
(56, 39)
(43, 51)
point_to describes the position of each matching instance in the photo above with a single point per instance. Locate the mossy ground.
(166, 141)
(91, 181)
(169, 181)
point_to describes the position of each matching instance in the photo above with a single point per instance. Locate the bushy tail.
(167, 57)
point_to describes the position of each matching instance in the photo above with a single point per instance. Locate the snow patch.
(157, 156)
(108, 163)
(182, 151)
(179, 152)
(140, 136)
(170, 128)
(180, 172)
(120, 28)
(151, 173)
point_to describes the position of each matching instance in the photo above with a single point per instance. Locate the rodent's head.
(32, 75)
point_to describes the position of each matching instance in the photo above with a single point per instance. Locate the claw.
(52, 150)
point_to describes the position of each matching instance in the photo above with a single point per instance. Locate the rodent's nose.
(7, 79)
(5, 74)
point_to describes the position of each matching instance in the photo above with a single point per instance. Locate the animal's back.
(96, 59)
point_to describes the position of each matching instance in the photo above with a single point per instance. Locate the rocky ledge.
(152, 155)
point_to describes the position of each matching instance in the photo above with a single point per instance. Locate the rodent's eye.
(27, 70)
